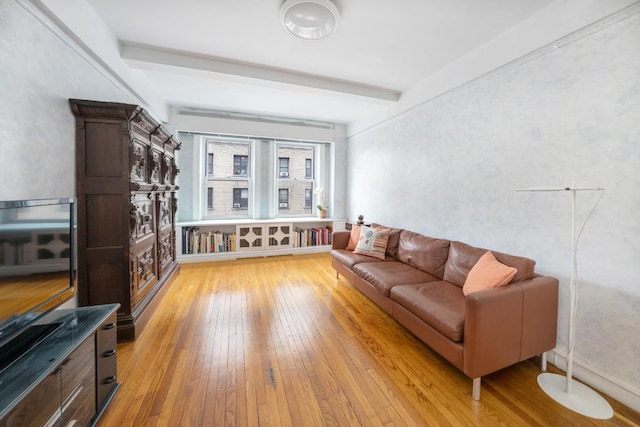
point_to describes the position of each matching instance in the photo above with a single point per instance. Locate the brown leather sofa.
(419, 283)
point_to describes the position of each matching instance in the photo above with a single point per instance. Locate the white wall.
(39, 72)
(555, 21)
(558, 117)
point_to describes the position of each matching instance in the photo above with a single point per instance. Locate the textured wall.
(561, 116)
(39, 72)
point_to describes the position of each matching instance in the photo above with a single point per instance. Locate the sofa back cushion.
(425, 253)
(394, 238)
(463, 257)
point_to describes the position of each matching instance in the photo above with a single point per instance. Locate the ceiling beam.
(137, 54)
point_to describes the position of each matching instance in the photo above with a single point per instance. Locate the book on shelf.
(314, 236)
(195, 241)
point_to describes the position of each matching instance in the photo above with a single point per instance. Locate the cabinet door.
(145, 273)
(138, 160)
(143, 255)
(40, 407)
(142, 216)
(250, 237)
(279, 235)
(166, 237)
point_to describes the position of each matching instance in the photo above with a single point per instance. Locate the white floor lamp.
(565, 390)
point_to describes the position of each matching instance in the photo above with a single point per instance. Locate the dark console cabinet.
(106, 361)
(126, 191)
(39, 407)
(69, 377)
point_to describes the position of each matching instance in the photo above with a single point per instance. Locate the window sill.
(295, 220)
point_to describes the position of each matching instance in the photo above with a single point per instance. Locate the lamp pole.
(573, 394)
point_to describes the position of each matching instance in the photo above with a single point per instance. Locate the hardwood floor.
(280, 341)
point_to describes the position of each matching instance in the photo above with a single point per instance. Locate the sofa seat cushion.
(385, 275)
(426, 253)
(439, 304)
(349, 259)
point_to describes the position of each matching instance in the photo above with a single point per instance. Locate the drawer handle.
(109, 326)
(108, 353)
(109, 380)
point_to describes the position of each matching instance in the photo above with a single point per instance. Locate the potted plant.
(322, 208)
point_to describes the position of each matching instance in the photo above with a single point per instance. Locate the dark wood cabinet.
(106, 363)
(65, 397)
(41, 406)
(69, 377)
(78, 385)
(126, 173)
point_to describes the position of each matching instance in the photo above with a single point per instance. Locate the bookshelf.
(216, 240)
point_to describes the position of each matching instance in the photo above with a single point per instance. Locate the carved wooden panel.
(165, 210)
(141, 220)
(155, 168)
(143, 123)
(168, 170)
(166, 250)
(138, 158)
(145, 273)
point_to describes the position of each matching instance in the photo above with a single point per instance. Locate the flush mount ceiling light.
(309, 19)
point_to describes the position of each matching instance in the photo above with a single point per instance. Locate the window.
(308, 198)
(209, 163)
(210, 198)
(227, 173)
(308, 170)
(283, 167)
(247, 177)
(240, 165)
(240, 198)
(292, 175)
(283, 198)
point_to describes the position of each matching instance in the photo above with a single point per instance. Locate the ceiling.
(235, 55)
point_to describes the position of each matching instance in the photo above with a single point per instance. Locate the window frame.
(239, 199)
(283, 204)
(297, 177)
(283, 167)
(237, 158)
(210, 163)
(308, 168)
(226, 178)
(262, 162)
(308, 197)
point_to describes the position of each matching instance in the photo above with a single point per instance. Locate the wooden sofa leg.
(476, 388)
(543, 362)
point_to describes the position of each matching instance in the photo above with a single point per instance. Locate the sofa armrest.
(540, 316)
(340, 239)
(509, 324)
(492, 330)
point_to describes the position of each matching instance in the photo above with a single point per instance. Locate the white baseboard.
(613, 387)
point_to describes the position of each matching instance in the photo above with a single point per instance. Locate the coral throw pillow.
(487, 273)
(372, 242)
(354, 237)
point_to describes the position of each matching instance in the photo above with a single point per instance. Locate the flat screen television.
(37, 263)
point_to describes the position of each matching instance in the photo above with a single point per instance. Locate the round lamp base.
(582, 399)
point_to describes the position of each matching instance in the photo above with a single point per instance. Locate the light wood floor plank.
(281, 341)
